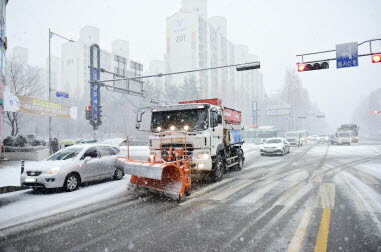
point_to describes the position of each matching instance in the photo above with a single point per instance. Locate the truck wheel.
(218, 169)
(241, 159)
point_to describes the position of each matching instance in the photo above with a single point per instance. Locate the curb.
(7, 189)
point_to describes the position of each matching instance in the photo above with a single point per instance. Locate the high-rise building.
(195, 41)
(76, 59)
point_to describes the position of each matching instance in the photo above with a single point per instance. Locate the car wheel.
(218, 169)
(118, 174)
(72, 182)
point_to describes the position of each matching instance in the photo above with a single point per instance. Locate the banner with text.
(23, 104)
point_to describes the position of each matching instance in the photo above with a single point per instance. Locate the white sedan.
(275, 146)
(71, 166)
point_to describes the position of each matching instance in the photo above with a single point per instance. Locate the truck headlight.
(203, 155)
(54, 170)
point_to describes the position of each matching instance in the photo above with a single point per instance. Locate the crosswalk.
(288, 190)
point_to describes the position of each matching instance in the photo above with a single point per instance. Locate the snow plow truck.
(192, 137)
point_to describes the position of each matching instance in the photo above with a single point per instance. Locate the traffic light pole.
(369, 42)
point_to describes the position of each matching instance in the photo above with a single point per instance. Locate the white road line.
(367, 178)
(326, 196)
(317, 176)
(297, 239)
(289, 196)
(297, 176)
(223, 194)
(204, 191)
(253, 197)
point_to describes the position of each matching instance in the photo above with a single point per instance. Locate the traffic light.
(376, 58)
(99, 114)
(88, 112)
(312, 66)
(377, 112)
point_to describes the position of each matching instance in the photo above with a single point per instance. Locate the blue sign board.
(62, 94)
(95, 94)
(347, 55)
(236, 136)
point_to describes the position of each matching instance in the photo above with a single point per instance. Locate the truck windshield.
(195, 119)
(290, 135)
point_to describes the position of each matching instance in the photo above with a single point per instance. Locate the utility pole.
(51, 34)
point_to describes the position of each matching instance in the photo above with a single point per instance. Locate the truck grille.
(165, 148)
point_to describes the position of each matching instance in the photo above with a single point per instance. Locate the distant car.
(332, 139)
(294, 138)
(315, 139)
(71, 166)
(277, 146)
(323, 139)
(83, 141)
(344, 138)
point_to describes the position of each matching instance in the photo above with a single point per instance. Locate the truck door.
(216, 129)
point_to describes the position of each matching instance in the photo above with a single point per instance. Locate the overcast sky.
(275, 30)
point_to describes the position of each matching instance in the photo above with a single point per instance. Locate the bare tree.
(20, 79)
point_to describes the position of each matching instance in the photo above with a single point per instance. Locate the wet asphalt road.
(318, 197)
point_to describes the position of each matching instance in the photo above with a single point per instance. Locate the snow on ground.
(26, 205)
(10, 173)
(250, 147)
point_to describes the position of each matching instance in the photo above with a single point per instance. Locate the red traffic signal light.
(88, 112)
(312, 66)
(377, 112)
(376, 58)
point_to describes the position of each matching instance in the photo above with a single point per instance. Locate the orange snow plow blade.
(170, 178)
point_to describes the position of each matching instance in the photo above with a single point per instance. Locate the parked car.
(344, 138)
(277, 146)
(71, 166)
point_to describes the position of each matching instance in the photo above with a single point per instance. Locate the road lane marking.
(223, 194)
(317, 176)
(287, 198)
(297, 239)
(296, 176)
(204, 190)
(326, 196)
(367, 178)
(322, 238)
(258, 194)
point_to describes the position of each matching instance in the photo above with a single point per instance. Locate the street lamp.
(51, 34)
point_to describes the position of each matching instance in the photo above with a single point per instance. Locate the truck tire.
(240, 160)
(218, 169)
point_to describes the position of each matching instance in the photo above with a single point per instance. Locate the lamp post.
(51, 34)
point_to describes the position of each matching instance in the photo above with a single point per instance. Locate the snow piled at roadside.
(22, 206)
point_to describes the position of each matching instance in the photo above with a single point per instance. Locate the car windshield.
(270, 141)
(65, 154)
(115, 141)
(289, 135)
(343, 134)
(195, 119)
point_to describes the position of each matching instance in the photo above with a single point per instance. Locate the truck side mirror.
(137, 126)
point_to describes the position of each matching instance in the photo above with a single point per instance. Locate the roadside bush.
(21, 141)
(9, 141)
(35, 142)
(31, 138)
(23, 149)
